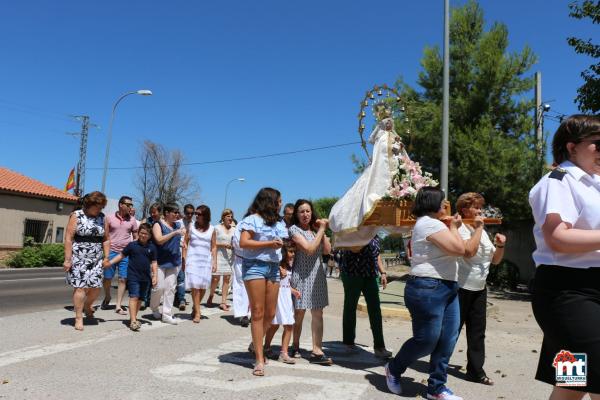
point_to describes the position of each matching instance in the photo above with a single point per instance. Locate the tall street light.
(446, 100)
(142, 92)
(227, 188)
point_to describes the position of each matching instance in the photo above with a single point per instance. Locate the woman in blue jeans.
(431, 295)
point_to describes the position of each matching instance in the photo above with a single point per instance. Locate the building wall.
(14, 210)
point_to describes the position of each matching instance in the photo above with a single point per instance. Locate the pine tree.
(492, 141)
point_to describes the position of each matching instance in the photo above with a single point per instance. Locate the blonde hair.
(468, 200)
(225, 212)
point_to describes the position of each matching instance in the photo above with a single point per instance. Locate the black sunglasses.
(595, 142)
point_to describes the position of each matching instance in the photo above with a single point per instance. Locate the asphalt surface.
(32, 289)
(43, 357)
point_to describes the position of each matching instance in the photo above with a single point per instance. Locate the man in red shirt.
(122, 229)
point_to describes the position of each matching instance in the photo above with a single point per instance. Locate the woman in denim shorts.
(261, 238)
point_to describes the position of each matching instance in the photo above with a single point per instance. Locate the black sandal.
(320, 359)
(484, 380)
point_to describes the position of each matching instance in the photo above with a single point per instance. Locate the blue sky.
(231, 79)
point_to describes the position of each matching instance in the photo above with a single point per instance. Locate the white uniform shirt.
(575, 196)
(427, 259)
(473, 272)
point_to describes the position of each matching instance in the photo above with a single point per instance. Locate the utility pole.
(85, 126)
(446, 101)
(539, 116)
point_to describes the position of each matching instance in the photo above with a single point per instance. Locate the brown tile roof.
(11, 181)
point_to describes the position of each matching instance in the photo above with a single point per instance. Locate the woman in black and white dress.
(86, 245)
(308, 276)
(566, 298)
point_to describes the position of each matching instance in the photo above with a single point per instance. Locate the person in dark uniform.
(566, 298)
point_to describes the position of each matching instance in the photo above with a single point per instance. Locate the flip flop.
(78, 325)
(120, 311)
(224, 307)
(259, 370)
(105, 303)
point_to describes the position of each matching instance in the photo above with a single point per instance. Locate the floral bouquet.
(491, 212)
(408, 180)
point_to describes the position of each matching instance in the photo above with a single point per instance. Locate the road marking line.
(32, 352)
(33, 279)
(192, 368)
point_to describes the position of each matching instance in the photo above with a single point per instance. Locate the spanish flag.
(70, 181)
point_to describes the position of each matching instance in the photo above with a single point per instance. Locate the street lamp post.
(227, 188)
(142, 92)
(446, 100)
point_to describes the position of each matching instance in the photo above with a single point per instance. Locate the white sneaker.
(169, 320)
(393, 383)
(445, 394)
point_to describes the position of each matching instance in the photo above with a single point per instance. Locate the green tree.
(588, 95)
(492, 141)
(392, 243)
(323, 206)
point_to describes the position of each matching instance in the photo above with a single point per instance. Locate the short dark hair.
(265, 204)
(123, 198)
(145, 227)
(170, 207)
(429, 200)
(313, 214)
(94, 199)
(288, 205)
(205, 217)
(155, 206)
(573, 130)
(188, 207)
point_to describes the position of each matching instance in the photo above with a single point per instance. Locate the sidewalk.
(392, 298)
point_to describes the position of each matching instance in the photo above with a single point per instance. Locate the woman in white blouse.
(431, 295)
(566, 298)
(473, 269)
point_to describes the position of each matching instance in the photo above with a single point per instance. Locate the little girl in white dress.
(284, 315)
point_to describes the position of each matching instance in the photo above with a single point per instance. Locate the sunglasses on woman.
(595, 142)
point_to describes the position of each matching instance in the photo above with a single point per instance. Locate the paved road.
(30, 290)
(43, 357)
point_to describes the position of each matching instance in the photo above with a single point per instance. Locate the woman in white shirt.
(431, 295)
(473, 269)
(566, 298)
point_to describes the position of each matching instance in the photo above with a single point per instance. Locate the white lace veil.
(380, 129)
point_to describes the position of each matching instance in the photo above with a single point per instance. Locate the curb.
(386, 312)
(2, 268)
(404, 314)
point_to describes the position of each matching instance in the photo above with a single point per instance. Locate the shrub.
(38, 256)
(504, 275)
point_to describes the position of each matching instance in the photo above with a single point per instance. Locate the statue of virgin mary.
(358, 203)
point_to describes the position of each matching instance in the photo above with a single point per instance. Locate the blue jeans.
(258, 269)
(435, 312)
(180, 290)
